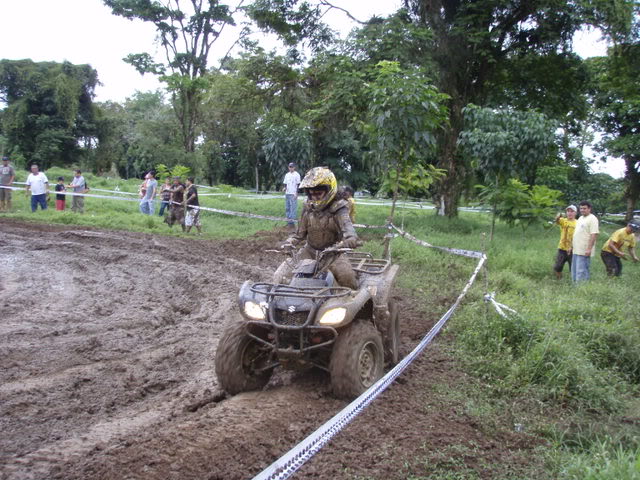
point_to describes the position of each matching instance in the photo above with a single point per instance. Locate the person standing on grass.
(147, 206)
(176, 207)
(38, 186)
(567, 227)
(584, 240)
(290, 188)
(192, 218)
(7, 176)
(165, 195)
(79, 186)
(60, 198)
(612, 251)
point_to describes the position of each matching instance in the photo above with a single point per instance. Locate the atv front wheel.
(241, 361)
(357, 360)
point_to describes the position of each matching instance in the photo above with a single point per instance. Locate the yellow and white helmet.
(320, 178)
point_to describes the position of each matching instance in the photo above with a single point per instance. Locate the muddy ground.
(107, 341)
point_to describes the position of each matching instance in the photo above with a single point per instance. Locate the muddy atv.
(309, 321)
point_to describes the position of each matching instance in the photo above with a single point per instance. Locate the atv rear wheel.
(241, 361)
(392, 338)
(357, 360)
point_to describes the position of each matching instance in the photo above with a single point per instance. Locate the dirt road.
(107, 341)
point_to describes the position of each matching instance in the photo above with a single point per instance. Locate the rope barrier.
(500, 308)
(455, 251)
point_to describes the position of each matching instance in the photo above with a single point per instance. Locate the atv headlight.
(254, 310)
(333, 316)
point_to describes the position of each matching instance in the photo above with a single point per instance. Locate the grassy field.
(566, 368)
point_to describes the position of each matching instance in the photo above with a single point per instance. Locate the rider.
(324, 223)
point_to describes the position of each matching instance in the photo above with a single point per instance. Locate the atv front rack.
(315, 293)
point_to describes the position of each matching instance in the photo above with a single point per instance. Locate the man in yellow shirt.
(613, 248)
(565, 247)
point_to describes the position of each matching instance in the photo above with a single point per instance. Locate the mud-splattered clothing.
(176, 209)
(324, 228)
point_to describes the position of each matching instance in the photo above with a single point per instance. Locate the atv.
(307, 321)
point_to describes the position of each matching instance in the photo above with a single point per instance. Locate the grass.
(572, 353)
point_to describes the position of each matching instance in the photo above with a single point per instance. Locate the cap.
(572, 207)
(292, 164)
(5, 159)
(635, 225)
(61, 178)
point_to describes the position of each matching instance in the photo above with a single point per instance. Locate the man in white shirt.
(79, 185)
(38, 185)
(584, 241)
(291, 182)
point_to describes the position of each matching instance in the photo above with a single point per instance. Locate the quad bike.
(309, 321)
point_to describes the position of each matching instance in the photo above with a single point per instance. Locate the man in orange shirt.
(565, 247)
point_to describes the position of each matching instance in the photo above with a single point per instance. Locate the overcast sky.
(85, 31)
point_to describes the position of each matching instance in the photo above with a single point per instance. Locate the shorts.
(561, 258)
(5, 194)
(193, 217)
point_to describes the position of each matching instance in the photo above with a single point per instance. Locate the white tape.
(455, 251)
(500, 308)
(291, 461)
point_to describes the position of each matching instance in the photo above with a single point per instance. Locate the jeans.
(163, 205)
(147, 206)
(580, 268)
(38, 199)
(291, 207)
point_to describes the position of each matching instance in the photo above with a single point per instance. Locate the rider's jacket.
(326, 227)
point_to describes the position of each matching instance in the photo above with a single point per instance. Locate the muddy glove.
(287, 246)
(350, 242)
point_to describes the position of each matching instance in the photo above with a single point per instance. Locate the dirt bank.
(107, 342)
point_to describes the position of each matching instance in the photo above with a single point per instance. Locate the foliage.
(49, 118)
(405, 112)
(506, 143)
(519, 204)
(616, 96)
(187, 36)
(163, 172)
(412, 181)
(472, 43)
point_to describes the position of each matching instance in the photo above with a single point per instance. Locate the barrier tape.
(455, 251)
(291, 461)
(490, 297)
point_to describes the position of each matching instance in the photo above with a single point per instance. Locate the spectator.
(612, 251)
(38, 185)
(193, 207)
(60, 198)
(567, 227)
(147, 206)
(7, 176)
(176, 207)
(79, 186)
(347, 194)
(142, 189)
(291, 182)
(165, 195)
(584, 239)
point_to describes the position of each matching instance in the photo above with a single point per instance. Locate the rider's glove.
(350, 242)
(287, 246)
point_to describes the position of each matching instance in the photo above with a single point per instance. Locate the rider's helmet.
(319, 179)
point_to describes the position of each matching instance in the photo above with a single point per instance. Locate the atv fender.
(352, 304)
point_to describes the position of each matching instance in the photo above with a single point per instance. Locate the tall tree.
(187, 36)
(617, 100)
(49, 117)
(472, 40)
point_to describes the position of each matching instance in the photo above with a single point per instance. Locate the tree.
(616, 95)
(405, 113)
(472, 41)
(505, 144)
(187, 36)
(49, 117)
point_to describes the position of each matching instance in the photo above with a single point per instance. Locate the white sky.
(85, 31)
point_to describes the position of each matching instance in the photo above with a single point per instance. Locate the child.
(60, 199)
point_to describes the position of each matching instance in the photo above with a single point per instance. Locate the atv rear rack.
(365, 263)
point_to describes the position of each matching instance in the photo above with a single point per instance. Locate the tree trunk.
(632, 193)
(450, 188)
(395, 195)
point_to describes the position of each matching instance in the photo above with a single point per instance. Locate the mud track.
(107, 341)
